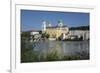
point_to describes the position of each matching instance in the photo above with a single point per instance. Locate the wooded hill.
(80, 28)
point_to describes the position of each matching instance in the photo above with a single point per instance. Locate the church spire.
(44, 25)
(60, 23)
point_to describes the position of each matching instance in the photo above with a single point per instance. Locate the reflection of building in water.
(56, 48)
(55, 31)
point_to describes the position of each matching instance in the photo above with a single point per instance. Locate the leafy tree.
(43, 35)
(25, 36)
(47, 36)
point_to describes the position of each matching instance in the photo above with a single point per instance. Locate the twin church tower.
(55, 31)
(46, 24)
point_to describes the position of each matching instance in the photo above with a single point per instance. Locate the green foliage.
(40, 32)
(32, 56)
(80, 28)
(59, 39)
(29, 56)
(27, 53)
(52, 56)
(45, 35)
(25, 36)
(71, 57)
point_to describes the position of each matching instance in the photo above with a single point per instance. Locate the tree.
(43, 35)
(25, 36)
(47, 36)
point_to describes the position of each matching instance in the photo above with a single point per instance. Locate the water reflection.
(69, 48)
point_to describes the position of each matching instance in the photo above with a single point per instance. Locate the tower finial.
(60, 23)
(49, 24)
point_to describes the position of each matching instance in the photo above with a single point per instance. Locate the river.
(70, 48)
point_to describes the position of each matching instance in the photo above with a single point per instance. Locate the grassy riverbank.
(31, 56)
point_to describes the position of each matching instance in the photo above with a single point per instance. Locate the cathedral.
(58, 31)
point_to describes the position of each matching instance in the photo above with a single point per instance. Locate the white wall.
(83, 33)
(5, 37)
(33, 33)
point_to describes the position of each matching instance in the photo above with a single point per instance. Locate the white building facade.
(85, 34)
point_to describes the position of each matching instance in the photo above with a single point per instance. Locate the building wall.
(84, 33)
(34, 32)
(55, 32)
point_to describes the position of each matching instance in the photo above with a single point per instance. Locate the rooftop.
(56, 26)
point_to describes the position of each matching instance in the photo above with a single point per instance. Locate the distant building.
(33, 32)
(84, 34)
(35, 35)
(55, 31)
(60, 31)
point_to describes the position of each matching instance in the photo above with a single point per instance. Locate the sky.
(32, 19)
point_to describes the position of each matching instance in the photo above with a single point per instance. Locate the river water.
(70, 48)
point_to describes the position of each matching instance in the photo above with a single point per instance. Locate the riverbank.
(31, 56)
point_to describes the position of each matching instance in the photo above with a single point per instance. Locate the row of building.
(61, 31)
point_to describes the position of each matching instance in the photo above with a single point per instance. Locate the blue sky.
(32, 19)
